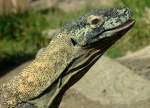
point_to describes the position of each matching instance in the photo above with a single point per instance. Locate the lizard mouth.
(123, 27)
(119, 31)
(112, 35)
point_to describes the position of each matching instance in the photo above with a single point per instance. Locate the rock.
(140, 66)
(109, 84)
(15, 6)
(139, 62)
(42, 4)
(69, 5)
(74, 5)
(74, 99)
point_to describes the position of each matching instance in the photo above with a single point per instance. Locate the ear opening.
(73, 42)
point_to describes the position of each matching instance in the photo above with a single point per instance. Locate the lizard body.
(66, 59)
(40, 73)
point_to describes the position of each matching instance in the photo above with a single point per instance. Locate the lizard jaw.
(111, 35)
(123, 27)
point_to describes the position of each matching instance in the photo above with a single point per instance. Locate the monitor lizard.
(69, 55)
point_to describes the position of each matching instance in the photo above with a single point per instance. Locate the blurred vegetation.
(21, 35)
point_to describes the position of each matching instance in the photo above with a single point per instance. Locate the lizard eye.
(94, 20)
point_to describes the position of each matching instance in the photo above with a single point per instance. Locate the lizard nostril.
(127, 11)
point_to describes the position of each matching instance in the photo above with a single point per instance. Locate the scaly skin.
(65, 60)
(36, 77)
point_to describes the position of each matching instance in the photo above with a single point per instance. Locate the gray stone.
(109, 84)
(74, 5)
(74, 99)
(15, 6)
(139, 62)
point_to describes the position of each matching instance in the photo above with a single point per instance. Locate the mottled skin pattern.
(65, 60)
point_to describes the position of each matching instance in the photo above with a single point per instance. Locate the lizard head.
(93, 34)
(99, 27)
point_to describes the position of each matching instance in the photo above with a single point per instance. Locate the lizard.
(67, 58)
